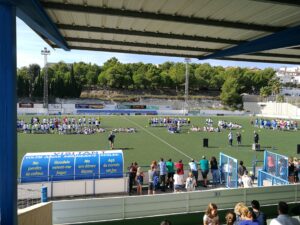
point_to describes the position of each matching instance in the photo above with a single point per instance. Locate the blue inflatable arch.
(56, 166)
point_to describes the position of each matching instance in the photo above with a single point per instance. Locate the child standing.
(190, 182)
(139, 180)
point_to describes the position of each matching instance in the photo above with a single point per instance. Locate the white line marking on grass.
(162, 140)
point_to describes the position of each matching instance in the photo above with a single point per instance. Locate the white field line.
(160, 139)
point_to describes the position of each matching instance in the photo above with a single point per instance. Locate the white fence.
(120, 208)
(76, 188)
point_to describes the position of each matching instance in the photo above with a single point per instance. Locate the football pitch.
(151, 143)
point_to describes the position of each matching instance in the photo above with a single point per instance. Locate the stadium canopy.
(247, 30)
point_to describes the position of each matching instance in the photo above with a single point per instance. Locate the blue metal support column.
(8, 135)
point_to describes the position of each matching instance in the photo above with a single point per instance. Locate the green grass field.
(151, 143)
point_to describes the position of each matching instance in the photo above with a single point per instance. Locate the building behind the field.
(289, 75)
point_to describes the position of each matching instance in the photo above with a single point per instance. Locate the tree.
(38, 89)
(275, 86)
(153, 77)
(23, 82)
(217, 78)
(203, 73)
(127, 76)
(138, 77)
(177, 74)
(33, 71)
(265, 91)
(230, 93)
(91, 77)
(166, 80)
(262, 77)
(110, 63)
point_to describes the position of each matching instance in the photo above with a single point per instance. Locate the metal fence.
(28, 197)
(276, 165)
(266, 179)
(228, 170)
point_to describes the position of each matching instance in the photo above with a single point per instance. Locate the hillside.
(134, 95)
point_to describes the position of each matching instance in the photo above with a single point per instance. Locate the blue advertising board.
(111, 165)
(61, 167)
(87, 166)
(34, 168)
(57, 166)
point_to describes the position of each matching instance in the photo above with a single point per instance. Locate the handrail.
(274, 179)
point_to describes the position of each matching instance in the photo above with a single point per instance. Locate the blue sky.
(29, 46)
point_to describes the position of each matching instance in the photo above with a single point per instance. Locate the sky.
(29, 46)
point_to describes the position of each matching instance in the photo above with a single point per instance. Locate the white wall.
(75, 188)
(273, 109)
(282, 110)
(224, 112)
(101, 209)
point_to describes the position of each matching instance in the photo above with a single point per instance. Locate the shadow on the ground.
(126, 148)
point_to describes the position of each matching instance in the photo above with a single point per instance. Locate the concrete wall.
(273, 109)
(39, 214)
(282, 110)
(76, 188)
(253, 107)
(123, 208)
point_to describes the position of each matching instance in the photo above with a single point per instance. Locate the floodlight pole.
(186, 91)
(45, 52)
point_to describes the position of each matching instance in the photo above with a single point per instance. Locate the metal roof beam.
(298, 47)
(159, 16)
(34, 15)
(135, 44)
(133, 52)
(291, 56)
(281, 2)
(170, 47)
(260, 60)
(282, 39)
(177, 55)
(148, 34)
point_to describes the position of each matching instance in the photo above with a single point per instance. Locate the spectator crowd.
(246, 215)
(163, 175)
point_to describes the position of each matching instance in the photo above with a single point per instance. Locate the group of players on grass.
(222, 124)
(66, 125)
(165, 121)
(173, 124)
(275, 124)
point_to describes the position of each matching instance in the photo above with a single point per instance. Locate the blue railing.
(274, 180)
(276, 165)
(229, 171)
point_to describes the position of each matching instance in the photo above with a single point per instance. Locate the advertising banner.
(87, 165)
(89, 106)
(61, 167)
(26, 105)
(111, 164)
(56, 166)
(34, 167)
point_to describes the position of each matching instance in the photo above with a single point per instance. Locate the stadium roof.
(246, 30)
